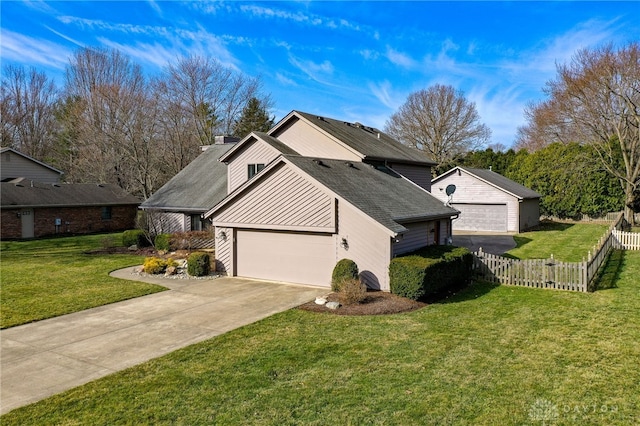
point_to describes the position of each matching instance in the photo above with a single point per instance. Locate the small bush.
(135, 237)
(161, 242)
(198, 264)
(154, 265)
(429, 270)
(190, 240)
(352, 291)
(345, 269)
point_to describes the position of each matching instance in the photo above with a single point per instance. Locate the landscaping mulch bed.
(376, 303)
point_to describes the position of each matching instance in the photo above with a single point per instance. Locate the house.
(35, 209)
(33, 202)
(487, 201)
(14, 164)
(179, 204)
(314, 190)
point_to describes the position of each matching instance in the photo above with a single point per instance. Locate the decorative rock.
(171, 270)
(162, 252)
(321, 300)
(132, 248)
(332, 305)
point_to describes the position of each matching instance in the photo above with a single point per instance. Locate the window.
(106, 213)
(196, 222)
(254, 169)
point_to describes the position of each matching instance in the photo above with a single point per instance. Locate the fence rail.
(550, 273)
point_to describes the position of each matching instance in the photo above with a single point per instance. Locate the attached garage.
(481, 217)
(285, 256)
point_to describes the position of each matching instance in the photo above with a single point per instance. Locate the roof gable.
(25, 156)
(381, 194)
(254, 137)
(496, 180)
(370, 143)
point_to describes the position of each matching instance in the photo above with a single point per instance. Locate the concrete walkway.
(48, 357)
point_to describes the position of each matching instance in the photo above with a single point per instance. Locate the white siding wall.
(420, 175)
(417, 236)
(470, 190)
(310, 142)
(15, 166)
(369, 246)
(529, 214)
(168, 223)
(258, 152)
(224, 250)
(284, 200)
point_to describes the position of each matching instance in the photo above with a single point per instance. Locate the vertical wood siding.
(258, 152)
(420, 175)
(369, 246)
(470, 190)
(529, 214)
(15, 166)
(417, 236)
(284, 199)
(310, 142)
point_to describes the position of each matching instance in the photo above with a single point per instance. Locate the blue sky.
(355, 61)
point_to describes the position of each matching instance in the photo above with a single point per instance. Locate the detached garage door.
(281, 256)
(481, 217)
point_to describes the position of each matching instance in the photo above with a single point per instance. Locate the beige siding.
(224, 244)
(470, 190)
(420, 175)
(529, 214)
(167, 223)
(369, 246)
(311, 142)
(258, 152)
(15, 166)
(285, 200)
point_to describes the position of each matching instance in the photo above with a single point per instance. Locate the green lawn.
(45, 278)
(567, 242)
(491, 355)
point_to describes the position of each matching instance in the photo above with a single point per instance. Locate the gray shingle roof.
(500, 181)
(380, 193)
(197, 187)
(365, 140)
(27, 193)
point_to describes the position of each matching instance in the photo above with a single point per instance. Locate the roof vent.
(318, 162)
(320, 118)
(378, 135)
(100, 185)
(358, 125)
(350, 165)
(347, 123)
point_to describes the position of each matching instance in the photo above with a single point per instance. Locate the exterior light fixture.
(344, 244)
(222, 235)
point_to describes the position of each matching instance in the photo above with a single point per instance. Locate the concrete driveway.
(48, 357)
(490, 243)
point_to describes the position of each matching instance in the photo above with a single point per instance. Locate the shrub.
(154, 265)
(198, 264)
(135, 237)
(345, 269)
(429, 270)
(161, 242)
(190, 240)
(352, 291)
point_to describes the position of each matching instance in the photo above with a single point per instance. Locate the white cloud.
(286, 81)
(25, 49)
(382, 91)
(400, 59)
(312, 69)
(501, 109)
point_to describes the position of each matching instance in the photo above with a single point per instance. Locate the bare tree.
(595, 98)
(26, 111)
(439, 121)
(115, 128)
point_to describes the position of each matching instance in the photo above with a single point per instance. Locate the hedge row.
(430, 270)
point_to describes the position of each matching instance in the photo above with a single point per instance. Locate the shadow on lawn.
(462, 293)
(611, 272)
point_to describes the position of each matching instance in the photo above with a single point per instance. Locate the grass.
(567, 242)
(490, 355)
(50, 277)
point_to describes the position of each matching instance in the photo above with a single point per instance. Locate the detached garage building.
(488, 201)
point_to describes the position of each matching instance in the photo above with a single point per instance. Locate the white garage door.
(281, 256)
(481, 217)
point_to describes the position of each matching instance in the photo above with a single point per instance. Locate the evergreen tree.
(254, 118)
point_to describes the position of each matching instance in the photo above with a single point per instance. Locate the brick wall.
(74, 220)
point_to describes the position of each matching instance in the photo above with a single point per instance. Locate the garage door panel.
(291, 257)
(481, 217)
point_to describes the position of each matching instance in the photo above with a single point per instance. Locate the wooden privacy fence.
(550, 273)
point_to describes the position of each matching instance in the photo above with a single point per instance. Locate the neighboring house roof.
(369, 142)
(197, 187)
(275, 143)
(496, 180)
(21, 193)
(7, 149)
(379, 193)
